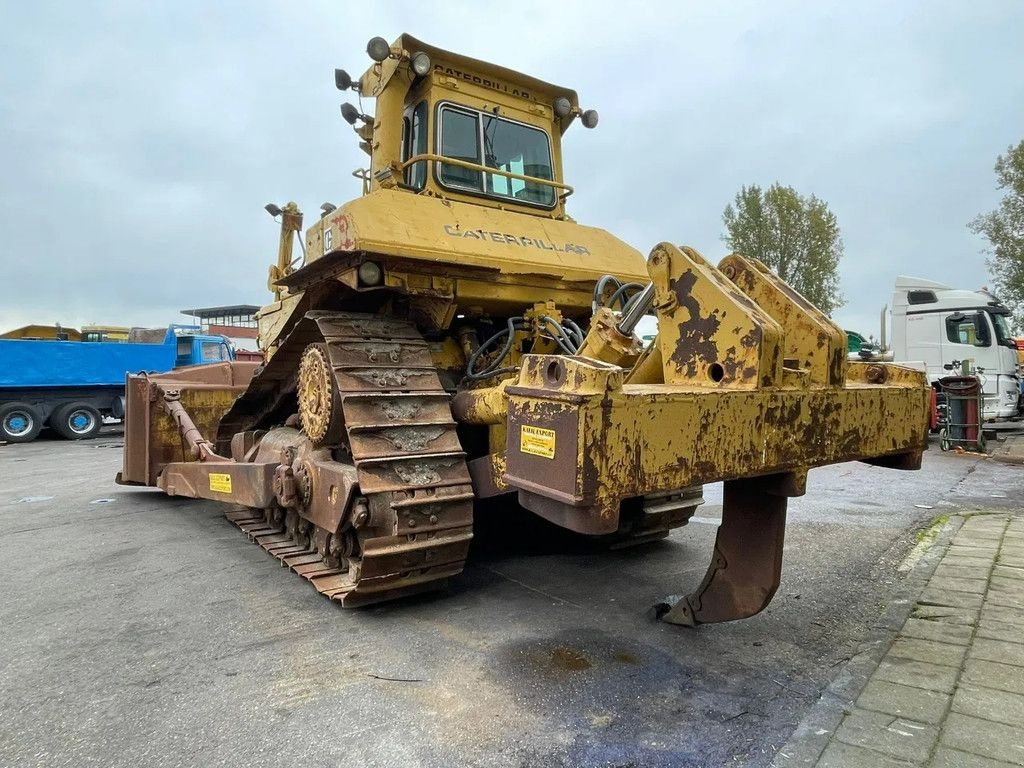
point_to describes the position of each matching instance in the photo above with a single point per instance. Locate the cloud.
(139, 142)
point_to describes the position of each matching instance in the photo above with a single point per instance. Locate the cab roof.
(540, 90)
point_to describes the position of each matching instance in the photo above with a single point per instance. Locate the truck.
(72, 384)
(943, 327)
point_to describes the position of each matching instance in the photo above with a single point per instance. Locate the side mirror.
(981, 328)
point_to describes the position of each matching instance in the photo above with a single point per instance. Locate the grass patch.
(929, 533)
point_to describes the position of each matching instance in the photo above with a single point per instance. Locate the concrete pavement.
(950, 691)
(138, 629)
(1010, 451)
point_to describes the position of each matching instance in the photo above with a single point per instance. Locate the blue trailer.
(71, 386)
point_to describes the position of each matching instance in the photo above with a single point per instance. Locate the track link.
(401, 437)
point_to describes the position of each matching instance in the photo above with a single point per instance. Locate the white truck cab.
(938, 325)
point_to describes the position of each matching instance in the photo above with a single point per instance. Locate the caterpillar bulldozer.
(452, 336)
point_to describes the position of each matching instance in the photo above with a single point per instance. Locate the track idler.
(747, 564)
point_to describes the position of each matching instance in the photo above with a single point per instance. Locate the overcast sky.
(140, 141)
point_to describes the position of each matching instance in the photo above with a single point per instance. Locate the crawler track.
(416, 497)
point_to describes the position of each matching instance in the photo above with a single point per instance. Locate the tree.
(796, 237)
(1004, 229)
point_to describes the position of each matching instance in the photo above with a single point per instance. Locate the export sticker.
(537, 441)
(220, 483)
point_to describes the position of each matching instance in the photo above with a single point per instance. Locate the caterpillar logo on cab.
(521, 240)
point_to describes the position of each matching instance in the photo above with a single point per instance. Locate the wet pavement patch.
(622, 698)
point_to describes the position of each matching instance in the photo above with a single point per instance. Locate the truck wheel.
(19, 423)
(76, 421)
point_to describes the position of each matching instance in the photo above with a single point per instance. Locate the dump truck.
(72, 380)
(453, 336)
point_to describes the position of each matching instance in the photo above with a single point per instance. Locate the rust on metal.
(746, 565)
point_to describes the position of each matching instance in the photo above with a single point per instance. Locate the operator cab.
(454, 127)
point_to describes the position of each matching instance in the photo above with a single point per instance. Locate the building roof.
(227, 309)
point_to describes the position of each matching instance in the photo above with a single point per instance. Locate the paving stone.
(983, 524)
(1009, 592)
(969, 539)
(985, 521)
(945, 614)
(991, 674)
(893, 736)
(944, 571)
(988, 704)
(997, 650)
(1007, 613)
(1006, 583)
(1008, 572)
(978, 537)
(941, 631)
(981, 553)
(973, 562)
(935, 596)
(917, 674)
(954, 758)
(1001, 630)
(975, 585)
(839, 755)
(983, 737)
(904, 701)
(928, 650)
(979, 540)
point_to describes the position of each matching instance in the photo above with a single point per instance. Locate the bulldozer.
(452, 336)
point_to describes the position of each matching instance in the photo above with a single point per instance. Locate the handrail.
(431, 157)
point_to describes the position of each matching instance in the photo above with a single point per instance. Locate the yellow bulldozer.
(452, 336)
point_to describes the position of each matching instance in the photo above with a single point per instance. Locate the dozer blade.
(747, 564)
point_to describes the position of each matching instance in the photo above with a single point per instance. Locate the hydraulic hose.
(620, 294)
(492, 369)
(599, 289)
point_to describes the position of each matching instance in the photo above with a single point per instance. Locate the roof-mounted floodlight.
(420, 64)
(350, 113)
(378, 49)
(342, 80)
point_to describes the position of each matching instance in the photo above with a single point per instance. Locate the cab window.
(460, 139)
(495, 142)
(1003, 336)
(214, 351)
(968, 329)
(414, 142)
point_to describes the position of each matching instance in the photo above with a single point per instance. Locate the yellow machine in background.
(63, 333)
(452, 336)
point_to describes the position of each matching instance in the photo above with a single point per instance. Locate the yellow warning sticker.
(220, 483)
(537, 441)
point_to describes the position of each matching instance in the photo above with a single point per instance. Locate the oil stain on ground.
(624, 700)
